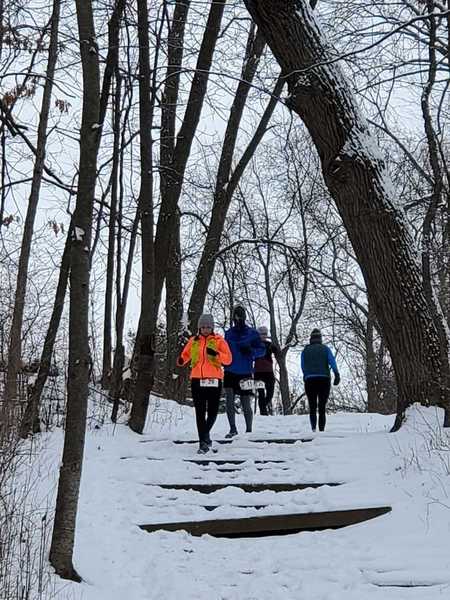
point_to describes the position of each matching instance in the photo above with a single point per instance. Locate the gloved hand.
(180, 361)
(245, 349)
(211, 352)
(337, 379)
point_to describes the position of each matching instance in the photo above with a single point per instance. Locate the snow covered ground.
(410, 546)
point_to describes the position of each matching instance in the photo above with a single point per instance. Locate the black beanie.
(316, 337)
(239, 313)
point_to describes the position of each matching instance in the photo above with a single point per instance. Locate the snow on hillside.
(409, 470)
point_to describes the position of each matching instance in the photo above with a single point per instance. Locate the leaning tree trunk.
(15, 344)
(61, 551)
(357, 179)
(30, 421)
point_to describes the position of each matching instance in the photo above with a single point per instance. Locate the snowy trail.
(364, 561)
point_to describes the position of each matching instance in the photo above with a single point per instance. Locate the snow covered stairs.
(256, 525)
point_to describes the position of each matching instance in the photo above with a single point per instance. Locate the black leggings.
(206, 404)
(265, 395)
(317, 388)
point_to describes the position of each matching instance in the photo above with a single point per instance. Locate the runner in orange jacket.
(206, 353)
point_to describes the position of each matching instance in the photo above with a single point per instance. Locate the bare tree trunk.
(371, 366)
(61, 551)
(147, 323)
(225, 184)
(174, 302)
(358, 181)
(175, 387)
(30, 420)
(107, 323)
(119, 353)
(172, 183)
(284, 381)
(430, 216)
(15, 342)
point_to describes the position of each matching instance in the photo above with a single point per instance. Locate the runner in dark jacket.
(245, 345)
(317, 359)
(264, 373)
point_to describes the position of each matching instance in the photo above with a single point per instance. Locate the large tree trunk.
(174, 299)
(15, 343)
(147, 323)
(357, 179)
(61, 551)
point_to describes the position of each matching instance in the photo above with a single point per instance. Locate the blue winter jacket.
(317, 359)
(237, 337)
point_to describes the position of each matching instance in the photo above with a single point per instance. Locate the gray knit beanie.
(206, 320)
(263, 330)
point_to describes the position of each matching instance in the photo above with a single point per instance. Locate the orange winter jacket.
(204, 366)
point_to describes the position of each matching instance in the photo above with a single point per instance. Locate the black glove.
(245, 349)
(337, 379)
(211, 352)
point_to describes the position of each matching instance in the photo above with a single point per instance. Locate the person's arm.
(332, 361)
(258, 347)
(185, 355)
(224, 351)
(333, 365)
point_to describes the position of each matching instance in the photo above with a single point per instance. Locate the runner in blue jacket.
(245, 345)
(317, 359)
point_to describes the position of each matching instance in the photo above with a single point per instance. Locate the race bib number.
(209, 383)
(259, 385)
(246, 384)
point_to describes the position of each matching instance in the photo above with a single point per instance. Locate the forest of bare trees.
(158, 159)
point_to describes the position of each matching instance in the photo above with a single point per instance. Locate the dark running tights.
(317, 389)
(206, 404)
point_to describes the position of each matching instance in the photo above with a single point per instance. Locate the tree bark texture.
(15, 342)
(61, 551)
(147, 324)
(357, 179)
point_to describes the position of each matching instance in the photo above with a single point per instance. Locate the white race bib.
(246, 384)
(209, 383)
(259, 385)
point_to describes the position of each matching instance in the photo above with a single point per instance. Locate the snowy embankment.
(408, 470)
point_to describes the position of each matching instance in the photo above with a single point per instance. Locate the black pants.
(265, 395)
(206, 404)
(317, 388)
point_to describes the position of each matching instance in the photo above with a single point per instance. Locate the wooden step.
(240, 470)
(273, 524)
(231, 461)
(209, 488)
(255, 440)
